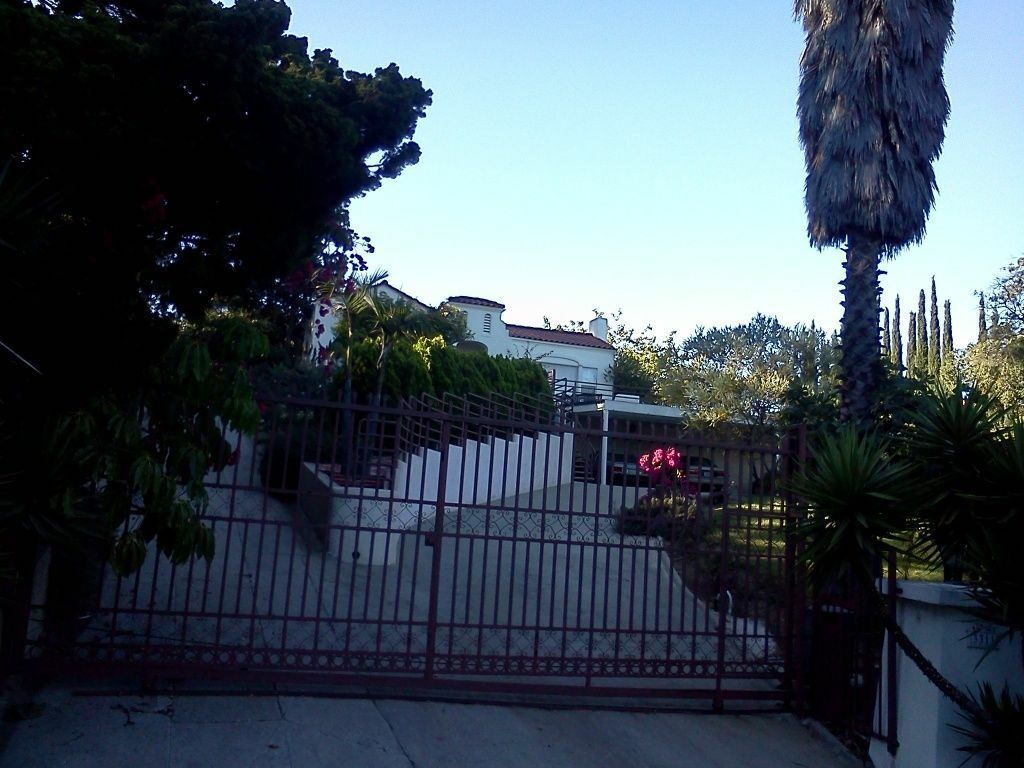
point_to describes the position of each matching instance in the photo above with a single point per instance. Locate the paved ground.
(80, 731)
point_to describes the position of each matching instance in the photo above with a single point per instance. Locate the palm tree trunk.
(372, 448)
(896, 634)
(348, 415)
(859, 349)
(378, 392)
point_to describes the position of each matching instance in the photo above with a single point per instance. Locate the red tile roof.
(557, 337)
(475, 300)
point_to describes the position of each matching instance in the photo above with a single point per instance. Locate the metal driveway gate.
(480, 544)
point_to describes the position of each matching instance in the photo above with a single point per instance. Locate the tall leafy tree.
(872, 107)
(996, 361)
(741, 374)
(1006, 297)
(193, 157)
(640, 358)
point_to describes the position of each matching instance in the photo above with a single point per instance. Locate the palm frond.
(872, 108)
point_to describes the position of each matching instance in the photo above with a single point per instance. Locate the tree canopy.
(189, 154)
(996, 361)
(742, 374)
(172, 173)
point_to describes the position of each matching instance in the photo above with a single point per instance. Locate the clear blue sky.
(608, 155)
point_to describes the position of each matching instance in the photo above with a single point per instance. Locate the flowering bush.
(663, 465)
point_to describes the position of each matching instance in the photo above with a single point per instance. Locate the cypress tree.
(886, 341)
(982, 325)
(921, 363)
(912, 345)
(897, 338)
(935, 335)
(947, 331)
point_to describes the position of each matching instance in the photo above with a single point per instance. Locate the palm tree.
(350, 302)
(357, 299)
(872, 107)
(392, 321)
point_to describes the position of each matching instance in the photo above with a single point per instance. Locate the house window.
(487, 322)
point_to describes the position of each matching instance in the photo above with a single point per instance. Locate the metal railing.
(481, 564)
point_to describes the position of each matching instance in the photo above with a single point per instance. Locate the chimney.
(599, 327)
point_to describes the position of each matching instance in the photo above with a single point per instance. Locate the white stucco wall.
(496, 339)
(934, 617)
(480, 472)
(323, 322)
(569, 361)
(365, 525)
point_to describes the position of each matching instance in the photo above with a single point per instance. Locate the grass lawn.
(754, 569)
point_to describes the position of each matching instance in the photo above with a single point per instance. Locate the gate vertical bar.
(14, 618)
(723, 601)
(891, 741)
(796, 586)
(435, 566)
(792, 611)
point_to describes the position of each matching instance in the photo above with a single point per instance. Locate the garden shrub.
(666, 516)
(417, 368)
(405, 372)
(293, 380)
(460, 373)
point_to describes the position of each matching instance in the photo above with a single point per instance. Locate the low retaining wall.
(478, 473)
(366, 521)
(483, 471)
(935, 617)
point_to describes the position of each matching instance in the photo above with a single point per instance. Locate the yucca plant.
(996, 731)
(992, 551)
(951, 443)
(856, 490)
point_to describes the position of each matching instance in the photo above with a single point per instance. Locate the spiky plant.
(872, 107)
(995, 732)
(954, 441)
(856, 489)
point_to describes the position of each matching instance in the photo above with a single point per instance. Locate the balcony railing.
(573, 392)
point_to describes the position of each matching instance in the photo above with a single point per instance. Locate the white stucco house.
(582, 357)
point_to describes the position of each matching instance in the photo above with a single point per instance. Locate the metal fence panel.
(471, 543)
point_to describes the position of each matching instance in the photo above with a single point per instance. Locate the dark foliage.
(996, 729)
(173, 166)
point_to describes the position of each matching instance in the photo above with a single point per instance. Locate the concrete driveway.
(516, 581)
(60, 728)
